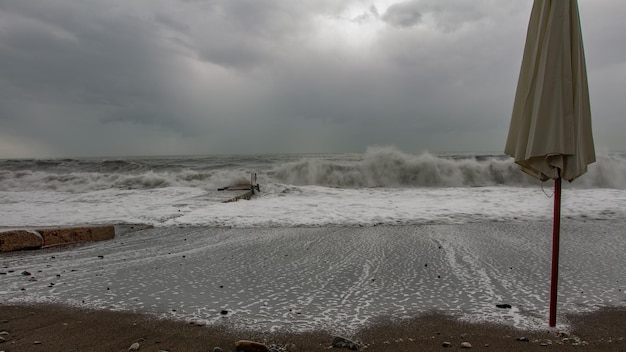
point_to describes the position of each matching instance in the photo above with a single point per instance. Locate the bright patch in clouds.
(356, 25)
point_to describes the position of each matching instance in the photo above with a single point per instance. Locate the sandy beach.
(59, 328)
(391, 288)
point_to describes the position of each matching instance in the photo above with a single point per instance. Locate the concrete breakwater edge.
(38, 237)
(24, 239)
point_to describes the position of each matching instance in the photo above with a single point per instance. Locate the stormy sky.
(157, 77)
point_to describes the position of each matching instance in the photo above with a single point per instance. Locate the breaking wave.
(389, 167)
(377, 167)
(92, 181)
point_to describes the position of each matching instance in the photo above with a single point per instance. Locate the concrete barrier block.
(60, 236)
(16, 240)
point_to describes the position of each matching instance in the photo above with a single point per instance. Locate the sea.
(330, 241)
(381, 186)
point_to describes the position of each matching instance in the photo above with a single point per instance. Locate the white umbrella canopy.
(550, 134)
(550, 131)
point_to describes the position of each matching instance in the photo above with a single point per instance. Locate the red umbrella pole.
(555, 251)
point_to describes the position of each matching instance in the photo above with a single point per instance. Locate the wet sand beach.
(59, 328)
(391, 288)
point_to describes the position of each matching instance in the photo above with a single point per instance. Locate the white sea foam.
(281, 205)
(337, 278)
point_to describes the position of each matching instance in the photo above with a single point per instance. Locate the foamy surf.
(337, 278)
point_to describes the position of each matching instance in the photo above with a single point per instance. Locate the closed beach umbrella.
(550, 133)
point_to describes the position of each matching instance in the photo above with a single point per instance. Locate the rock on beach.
(342, 342)
(250, 346)
(466, 344)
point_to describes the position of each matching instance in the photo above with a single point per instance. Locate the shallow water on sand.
(337, 278)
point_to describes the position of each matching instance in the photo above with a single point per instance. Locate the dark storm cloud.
(231, 76)
(403, 14)
(107, 61)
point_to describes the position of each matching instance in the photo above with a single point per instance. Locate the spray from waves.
(389, 167)
(609, 171)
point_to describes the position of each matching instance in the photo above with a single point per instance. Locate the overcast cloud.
(156, 77)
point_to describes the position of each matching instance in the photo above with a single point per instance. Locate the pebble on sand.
(342, 342)
(250, 346)
(466, 345)
(134, 347)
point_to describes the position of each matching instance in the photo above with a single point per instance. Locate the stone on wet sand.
(134, 347)
(342, 342)
(466, 344)
(250, 346)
